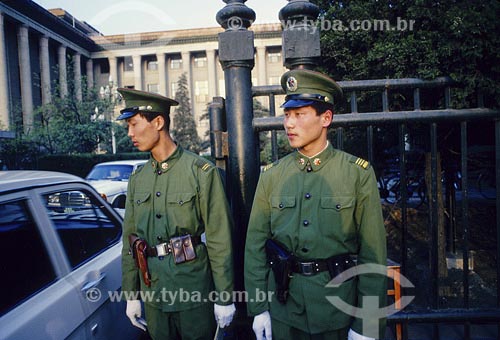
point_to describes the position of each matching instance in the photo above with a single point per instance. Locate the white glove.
(262, 326)
(133, 312)
(224, 314)
(352, 335)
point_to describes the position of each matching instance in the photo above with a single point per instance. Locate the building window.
(200, 61)
(274, 80)
(175, 64)
(274, 57)
(173, 89)
(201, 91)
(152, 65)
(155, 88)
(222, 88)
(128, 64)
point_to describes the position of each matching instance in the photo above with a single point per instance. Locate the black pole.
(236, 55)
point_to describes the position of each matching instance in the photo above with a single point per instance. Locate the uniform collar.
(167, 164)
(315, 162)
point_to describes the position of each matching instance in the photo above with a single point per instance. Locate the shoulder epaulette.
(203, 164)
(269, 166)
(360, 162)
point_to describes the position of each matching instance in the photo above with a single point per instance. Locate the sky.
(134, 16)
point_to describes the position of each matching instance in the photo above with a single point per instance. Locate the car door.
(37, 300)
(90, 233)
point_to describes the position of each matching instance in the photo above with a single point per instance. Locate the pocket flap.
(180, 198)
(337, 202)
(282, 202)
(141, 197)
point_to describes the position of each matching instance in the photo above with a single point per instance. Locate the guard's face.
(306, 130)
(145, 135)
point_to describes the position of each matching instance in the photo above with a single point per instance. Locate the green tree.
(449, 38)
(184, 127)
(68, 125)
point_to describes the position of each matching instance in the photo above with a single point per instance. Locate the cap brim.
(293, 103)
(127, 115)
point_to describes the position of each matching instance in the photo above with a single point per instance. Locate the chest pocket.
(337, 215)
(141, 197)
(282, 202)
(182, 212)
(180, 199)
(282, 211)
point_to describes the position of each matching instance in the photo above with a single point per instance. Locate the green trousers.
(197, 323)
(283, 331)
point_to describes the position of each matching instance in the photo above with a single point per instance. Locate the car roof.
(124, 162)
(12, 180)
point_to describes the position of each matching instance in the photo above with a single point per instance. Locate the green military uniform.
(180, 195)
(317, 208)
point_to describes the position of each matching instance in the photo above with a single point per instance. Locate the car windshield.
(113, 172)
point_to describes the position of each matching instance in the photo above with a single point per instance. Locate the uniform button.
(338, 206)
(159, 172)
(305, 250)
(305, 223)
(158, 194)
(280, 205)
(158, 215)
(159, 238)
(307, 196)
(309, 169)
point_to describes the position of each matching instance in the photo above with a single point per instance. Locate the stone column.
(45, 70)
(162, 74)
(137, 72)
(261, 62)
(89, 65)
(25, 76)
(212, 76)
(4, 81)
(63, 73)
(77, 72)
(113, 69)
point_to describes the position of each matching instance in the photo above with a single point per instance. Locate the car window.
(118, 172)
(82, 223)
(25, 263)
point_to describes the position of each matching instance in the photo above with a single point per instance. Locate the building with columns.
(39, 46)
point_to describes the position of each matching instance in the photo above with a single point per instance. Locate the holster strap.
(164, 249)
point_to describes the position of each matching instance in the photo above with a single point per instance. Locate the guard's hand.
(133, 312)
(262, 326)
(353, 335)
(224, 314)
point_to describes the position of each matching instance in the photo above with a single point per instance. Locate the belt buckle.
(162, 249)
(307, 268)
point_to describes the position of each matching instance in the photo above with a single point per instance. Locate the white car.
(60, 256)
(110, 179)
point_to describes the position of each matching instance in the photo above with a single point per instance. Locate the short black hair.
(152, 115)
(322, 107)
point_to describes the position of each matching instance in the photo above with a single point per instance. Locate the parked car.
(60, 257)
(110, 179)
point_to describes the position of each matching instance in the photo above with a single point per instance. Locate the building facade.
(41, 50)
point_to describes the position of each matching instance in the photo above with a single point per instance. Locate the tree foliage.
(184, 127)
(453, 38)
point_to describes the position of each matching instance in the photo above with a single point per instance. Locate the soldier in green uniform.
(171, 201)
(321, 208)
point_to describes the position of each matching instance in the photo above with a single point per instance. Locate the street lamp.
(110, 92)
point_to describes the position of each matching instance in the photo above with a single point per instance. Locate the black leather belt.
(335, 264)
(164, 249)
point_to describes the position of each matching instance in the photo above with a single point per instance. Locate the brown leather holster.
(139, 249)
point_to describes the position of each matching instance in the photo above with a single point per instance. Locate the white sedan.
(110, 179)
